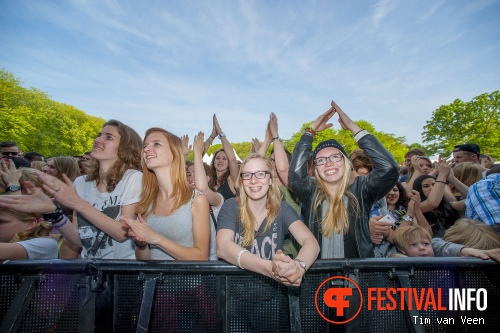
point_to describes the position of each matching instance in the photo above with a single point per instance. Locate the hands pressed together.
(286, 270)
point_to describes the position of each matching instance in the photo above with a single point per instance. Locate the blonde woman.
(336, 211)
(174, 221)
(25, 236)
(251, 229)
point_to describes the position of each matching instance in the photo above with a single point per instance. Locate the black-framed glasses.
(12, 153)
(257, 174)
(333, 158)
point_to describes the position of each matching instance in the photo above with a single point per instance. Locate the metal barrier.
(174, 296)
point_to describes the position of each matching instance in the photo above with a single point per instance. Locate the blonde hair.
(468, 172)
(273, 203)
(404, 235)
(472, 233)
(41, 228)
(37, 165)
(182, 191)
(66, 165)
(337, 217)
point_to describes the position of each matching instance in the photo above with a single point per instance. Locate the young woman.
(173, 219)
(336, 212)
(224, 164)
(25, 236)
(111, 190)
(251, 231)
(59, 165)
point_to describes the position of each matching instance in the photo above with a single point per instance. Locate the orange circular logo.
(337, 298)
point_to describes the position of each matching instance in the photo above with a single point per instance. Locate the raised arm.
(280, 157)
(200, 177)
(210, 139)
(437, 192)
(228, 149)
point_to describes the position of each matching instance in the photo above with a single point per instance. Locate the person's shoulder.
(132, 173)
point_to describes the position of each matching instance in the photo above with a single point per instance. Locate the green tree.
(37, 123)
(477, 121)
(395, 145)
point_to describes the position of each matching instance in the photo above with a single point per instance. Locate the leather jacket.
(367, 189)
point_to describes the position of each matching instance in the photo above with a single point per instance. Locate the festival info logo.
(339, 294)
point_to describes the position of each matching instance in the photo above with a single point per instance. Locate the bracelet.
(62, 223)
(310, 130)
(55, 216)
(440, 181)
(211, 138)
(139, 246)
(238, 257)
(276, 138)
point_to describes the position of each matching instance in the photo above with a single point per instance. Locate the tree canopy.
(37, 123)
(476, 121)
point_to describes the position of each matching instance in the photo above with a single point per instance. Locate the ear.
(30, 225)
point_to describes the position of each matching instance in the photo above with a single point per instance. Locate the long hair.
(443, 216)
(214, 179)
(273, 203)
(468, 173)
(411, 169)
(129, 157)
(403, 197)
(182, 191)
(41, 229)
(472, 233)
(66, 165)
(337, 217)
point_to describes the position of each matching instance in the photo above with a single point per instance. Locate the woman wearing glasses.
(336, 212)
(251, 228)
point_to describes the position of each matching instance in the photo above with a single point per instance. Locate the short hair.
(416, 151)
(360, 160)
(474, 234)
(5, 144)
(404, 235)
(33, 156)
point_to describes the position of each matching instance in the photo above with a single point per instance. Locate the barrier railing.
(138, 296)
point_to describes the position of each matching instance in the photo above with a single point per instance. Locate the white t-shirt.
(40, 248)
(96, 244)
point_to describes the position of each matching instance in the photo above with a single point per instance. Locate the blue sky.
(175, 63)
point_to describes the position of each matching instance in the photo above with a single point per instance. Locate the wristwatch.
(408, 218)
(302, 264)
(222, 135)
(13, 188)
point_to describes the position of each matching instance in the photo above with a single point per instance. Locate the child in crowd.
(413, 241)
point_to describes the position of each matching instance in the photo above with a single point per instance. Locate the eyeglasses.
(333, 158)
(6, 153)
(257, 174)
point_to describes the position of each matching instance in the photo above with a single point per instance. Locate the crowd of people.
(133, 198)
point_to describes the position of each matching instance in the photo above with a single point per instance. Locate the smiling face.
(106, 144)
(10, 226)
(393, 196)
(330, 172)
(419, 247)
(190, 175)
(221, 162)
(49, 168)
(254, 188)
(156, 152)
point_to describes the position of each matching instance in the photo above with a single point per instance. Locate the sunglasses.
(7, 153)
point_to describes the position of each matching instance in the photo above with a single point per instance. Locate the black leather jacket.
(367, 189)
